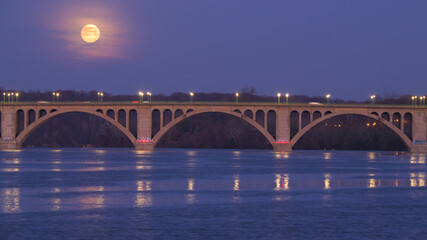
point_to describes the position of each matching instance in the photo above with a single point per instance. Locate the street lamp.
(191, 96)
(53, 96)
(100, 96)
(4, 97)
(17, 95)
(12, 96)
(149, 96)
(373, 99)
(328, 96)
(423, 101)
(57, 97)
(8, 97)
(237, 97)
(287, 97)
(278, 98)
(141, 96)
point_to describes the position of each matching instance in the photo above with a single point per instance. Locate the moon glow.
(90, 33)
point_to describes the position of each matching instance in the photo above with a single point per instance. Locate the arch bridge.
(19, 120)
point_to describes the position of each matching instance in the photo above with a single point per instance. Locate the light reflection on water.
(10, 199)
(236, 186)
(418, 179)
(327, 181)
(187, 186)
(282, 172)
(94, 199)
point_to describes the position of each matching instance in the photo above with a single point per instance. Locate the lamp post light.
(100, 96)
(141, 96)
(328, 96)
(53, 96)
(412, 100)
(373, 99)
(237, 97)
(12, 96)
(287, 98)
(423, 101)
(17, 95)
(191, 96)
(278, 98)
(57, 97)
(415, 101)
(149, 96)
(4, 97)
(8, 97)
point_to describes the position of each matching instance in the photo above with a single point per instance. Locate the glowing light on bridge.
(10, 96)
(145, 140)
(287, 98)
(423, 101)
(282, 141)
(100, 96)
(373, 99)
(328, 96)
(55, 96)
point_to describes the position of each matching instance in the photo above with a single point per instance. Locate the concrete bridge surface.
(18, 120)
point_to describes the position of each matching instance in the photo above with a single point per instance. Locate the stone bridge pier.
(282, 125)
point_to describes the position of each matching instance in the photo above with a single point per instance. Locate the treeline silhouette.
(211, 130)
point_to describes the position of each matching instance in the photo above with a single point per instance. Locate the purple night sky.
(351, 49)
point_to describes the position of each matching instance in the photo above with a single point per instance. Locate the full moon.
(90, 33)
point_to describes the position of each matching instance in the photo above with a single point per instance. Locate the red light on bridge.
(144, 140)
(282, 141)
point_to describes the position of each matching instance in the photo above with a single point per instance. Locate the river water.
(211, 194)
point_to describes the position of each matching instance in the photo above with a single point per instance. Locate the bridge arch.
(390, 125)
(20, 139)
(177, 120)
